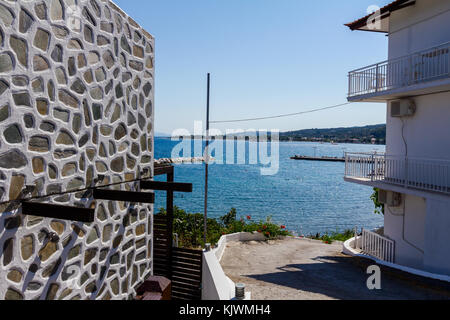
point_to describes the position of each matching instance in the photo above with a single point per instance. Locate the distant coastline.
(287, 141)
(338, 206)
(373, 134)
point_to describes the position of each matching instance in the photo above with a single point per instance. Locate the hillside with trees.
(367, 134)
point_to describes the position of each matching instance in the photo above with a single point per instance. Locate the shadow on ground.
(340, 277)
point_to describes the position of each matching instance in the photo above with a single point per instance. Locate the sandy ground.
(308, 270)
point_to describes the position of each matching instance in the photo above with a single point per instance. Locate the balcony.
(420, 73)
(411, 173)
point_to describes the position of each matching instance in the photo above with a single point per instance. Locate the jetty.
(168, 161)
(328, 159)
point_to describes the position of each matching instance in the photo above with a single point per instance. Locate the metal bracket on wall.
(127, 196)
(47, 210)
(166, 186)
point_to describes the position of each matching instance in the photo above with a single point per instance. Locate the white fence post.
(377, 246)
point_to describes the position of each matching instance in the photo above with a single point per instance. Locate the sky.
(266, 57)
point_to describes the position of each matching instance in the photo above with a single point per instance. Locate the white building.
(414, 174)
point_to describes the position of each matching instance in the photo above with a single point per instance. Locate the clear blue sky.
(266, 57)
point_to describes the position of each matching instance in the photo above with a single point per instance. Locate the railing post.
(410, 71)
(376, 169)
(363, 240)
(169, 208)
(448, 60)
(349, 84)
(373, 168)
(377, 74)
(406, 172)
(346, 164)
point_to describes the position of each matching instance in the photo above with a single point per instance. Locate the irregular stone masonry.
(76, 101)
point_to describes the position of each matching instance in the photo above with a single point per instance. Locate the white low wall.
(348, 248)
(240, 236)
(215, 284)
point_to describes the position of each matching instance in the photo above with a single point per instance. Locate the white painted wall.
(405, 225)
(427, 223)
(427, 219)
(419, 27)
(421, 229)
(437, 242)
(426, 133)
(215, 284)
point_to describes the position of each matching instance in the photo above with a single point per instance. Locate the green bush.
(189, 227)
(329, 238)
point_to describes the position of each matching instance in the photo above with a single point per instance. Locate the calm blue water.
(307, 197)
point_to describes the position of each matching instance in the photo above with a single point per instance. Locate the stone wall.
(76, 109)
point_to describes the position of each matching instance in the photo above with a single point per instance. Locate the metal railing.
(423, 66)
(377, 246)
(423, 174)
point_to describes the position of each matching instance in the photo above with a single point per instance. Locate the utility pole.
(206, 158)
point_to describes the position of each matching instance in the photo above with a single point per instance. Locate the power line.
(284, 115)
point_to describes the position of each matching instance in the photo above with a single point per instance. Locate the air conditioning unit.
(403, 108)
(390, 198)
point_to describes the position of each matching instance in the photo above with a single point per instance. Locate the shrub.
(189, 227)
(329, 238)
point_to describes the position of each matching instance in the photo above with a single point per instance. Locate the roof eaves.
(385, 12)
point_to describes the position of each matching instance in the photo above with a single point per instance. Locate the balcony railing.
(428, 65)
(422, 174)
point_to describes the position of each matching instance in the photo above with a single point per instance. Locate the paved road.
(309, 270)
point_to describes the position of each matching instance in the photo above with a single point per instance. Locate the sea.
(309, 197)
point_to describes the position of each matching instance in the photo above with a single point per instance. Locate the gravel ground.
(293, 269)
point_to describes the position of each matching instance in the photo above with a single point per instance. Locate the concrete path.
(309, 270)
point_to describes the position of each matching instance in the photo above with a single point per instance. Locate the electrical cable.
(403, 235)
(404, 200)
(404, 139)
(403, 225)
(283, 115)
(225, 121)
